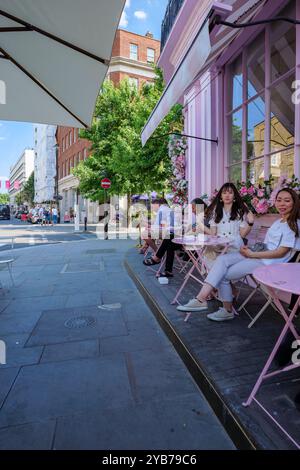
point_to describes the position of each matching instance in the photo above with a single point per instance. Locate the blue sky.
(139, 16)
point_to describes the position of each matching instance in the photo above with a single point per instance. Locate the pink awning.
(184, 75)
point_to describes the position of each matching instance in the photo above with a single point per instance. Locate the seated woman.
(169, 247)
(280, 242)
(228, 217)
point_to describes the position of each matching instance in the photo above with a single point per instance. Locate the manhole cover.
(80, 322)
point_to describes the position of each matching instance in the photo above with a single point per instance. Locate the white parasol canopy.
(54, 56)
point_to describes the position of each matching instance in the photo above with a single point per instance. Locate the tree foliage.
(28, 190)
(4, 198)
(117, 153)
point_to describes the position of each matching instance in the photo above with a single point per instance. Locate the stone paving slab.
(169, 424)
(69, 351)
(33, 436)
(47, 391)
(52, 327)
(7, 377)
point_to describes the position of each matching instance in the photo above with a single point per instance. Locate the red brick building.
(133, 56)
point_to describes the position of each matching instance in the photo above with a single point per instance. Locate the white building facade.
(19, 174)
(45, 163)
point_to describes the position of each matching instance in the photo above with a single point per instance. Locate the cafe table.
(194, 246)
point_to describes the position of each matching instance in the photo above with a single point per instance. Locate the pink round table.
(206, 240)
(283, 276)
(278, 277)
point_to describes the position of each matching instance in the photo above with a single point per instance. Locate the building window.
(150, 55)
(84, 154)
(133, 82)
(75, 135)
(63, 145)
(133, 51)
(251, 149)
(70, 138)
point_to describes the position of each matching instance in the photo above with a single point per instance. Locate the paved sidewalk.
(83, 377)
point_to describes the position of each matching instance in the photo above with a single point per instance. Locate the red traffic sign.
(105, 183)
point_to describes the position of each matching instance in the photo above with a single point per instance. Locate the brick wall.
(70, 152)
(123, 40)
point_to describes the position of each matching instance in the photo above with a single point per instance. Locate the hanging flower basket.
(177, 153)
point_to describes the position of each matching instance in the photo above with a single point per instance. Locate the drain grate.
(80, 322)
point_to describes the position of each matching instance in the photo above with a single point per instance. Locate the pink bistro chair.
(258, 288)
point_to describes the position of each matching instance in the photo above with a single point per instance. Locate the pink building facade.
(244, 99)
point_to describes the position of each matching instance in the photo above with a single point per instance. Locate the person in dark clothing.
(169, 247)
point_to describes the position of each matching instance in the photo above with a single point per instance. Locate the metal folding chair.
(8, 261)
(259, 288)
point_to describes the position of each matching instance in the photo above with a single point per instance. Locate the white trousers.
(230, 267)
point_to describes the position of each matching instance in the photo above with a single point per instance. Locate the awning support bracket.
(218, 21)
(31, 27)
(215, 141)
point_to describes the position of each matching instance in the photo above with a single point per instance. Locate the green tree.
(117, 153)
(19, 198)
(28, 190)
(4, 198)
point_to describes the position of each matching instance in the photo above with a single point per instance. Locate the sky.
(139, 16)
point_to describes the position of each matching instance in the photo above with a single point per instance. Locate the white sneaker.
(194, 305)
(221, 315)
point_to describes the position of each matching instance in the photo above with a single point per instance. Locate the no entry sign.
(105, 183)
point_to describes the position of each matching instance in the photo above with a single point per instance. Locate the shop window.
(255, 171)
(282, 164)
(256, 128)
(283, 40)
(236, 137)
(235, 173)
(256, 153)
(237, 83)
(282, 114)
(256, 66)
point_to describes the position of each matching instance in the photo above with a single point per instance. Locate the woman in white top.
(228, 217)
(280, 244)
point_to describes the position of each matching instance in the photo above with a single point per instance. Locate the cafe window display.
(260, 110)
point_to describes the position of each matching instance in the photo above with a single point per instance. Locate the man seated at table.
(152, 230)
(279, 247)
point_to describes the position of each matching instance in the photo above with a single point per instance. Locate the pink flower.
(262, 207)
(243, 191)
(251, 190)
(260, 193)
(254, 202)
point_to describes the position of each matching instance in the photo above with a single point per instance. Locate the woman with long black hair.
(229, 217)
